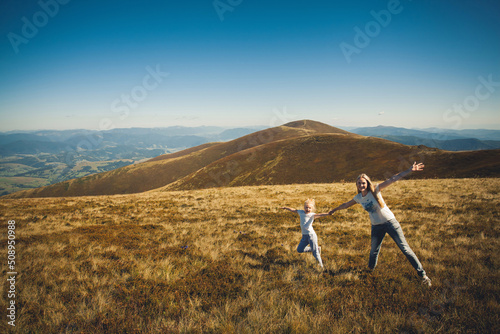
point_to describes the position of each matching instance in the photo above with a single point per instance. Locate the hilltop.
(297, 152)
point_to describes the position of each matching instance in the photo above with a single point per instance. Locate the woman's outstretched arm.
(343, 206)
(414, 168)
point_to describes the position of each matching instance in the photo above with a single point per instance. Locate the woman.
(382, 218)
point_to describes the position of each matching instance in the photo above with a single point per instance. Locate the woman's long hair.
(371, 188)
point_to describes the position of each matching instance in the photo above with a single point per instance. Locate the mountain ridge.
(445, 139)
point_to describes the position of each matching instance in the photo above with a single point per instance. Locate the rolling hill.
(297, 152)
(324, 158)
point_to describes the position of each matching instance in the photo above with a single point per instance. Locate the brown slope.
(334, 157)
(169, 168)
(183, 152)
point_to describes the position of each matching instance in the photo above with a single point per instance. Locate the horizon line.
(241, 126)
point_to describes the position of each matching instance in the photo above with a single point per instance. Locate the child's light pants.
(310, 239)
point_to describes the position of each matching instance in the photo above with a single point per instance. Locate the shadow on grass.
(273, 257)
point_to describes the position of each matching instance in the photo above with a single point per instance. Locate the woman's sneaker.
(426, 281)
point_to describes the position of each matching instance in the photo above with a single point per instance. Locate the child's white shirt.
(306, 221)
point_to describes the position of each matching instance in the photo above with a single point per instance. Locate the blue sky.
(67, 64)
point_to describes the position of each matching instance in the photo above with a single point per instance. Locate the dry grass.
(224, 261)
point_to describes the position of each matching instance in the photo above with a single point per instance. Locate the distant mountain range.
(177, 137)
(445, 139)
(84, 140)
(297, 152)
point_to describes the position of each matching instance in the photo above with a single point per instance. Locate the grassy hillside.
(335, 157)
(224, 261)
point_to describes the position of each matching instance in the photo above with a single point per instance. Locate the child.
(309, 237)
(383, 220)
